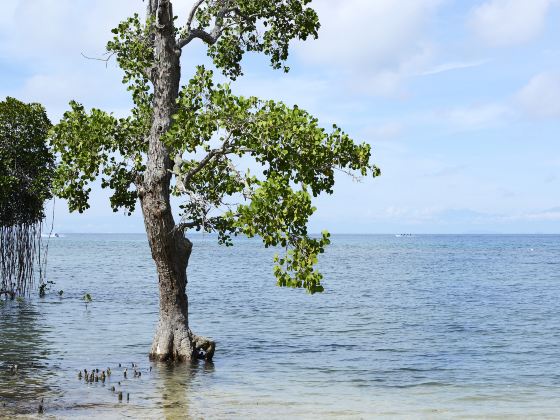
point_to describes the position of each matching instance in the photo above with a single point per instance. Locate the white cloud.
(551, 214)
(377, 43)
(465, 215)
(509, 22)
(454, 65)
(538, 99)
(541, 96)
(49, 37)
(53, 30)
(412, 215)
(304, 91)
(58, 29)
(476, 116)
(366, 46)
(55, 90)
(387, 130)
(46, 38)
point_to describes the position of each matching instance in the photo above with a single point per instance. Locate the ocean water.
(410, 327)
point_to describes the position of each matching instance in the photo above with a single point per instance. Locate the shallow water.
(410, 327)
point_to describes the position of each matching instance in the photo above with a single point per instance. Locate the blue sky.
(459, 99)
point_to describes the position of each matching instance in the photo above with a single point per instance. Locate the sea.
(411, 327)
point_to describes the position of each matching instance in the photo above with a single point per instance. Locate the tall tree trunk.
(170, 249)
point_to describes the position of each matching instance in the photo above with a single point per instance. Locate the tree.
(200, 141)
(26, 171)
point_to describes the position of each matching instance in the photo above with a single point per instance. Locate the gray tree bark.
(170, 249)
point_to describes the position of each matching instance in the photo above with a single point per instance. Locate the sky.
(460, 100)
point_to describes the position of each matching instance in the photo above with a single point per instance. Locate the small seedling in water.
(20, 299)
(45, 287)
(87, 299)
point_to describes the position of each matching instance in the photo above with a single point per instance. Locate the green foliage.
(87, 299)
(93, 145)
(243, 165)
(26, 163)
(265, 26)
(296, 159)
(135, 55)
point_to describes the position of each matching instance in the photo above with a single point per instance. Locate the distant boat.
(404, 235)
(51, 235)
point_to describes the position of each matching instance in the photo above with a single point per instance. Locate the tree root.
(180, 345)
(203, 348)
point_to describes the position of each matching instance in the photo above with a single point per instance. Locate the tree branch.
(197, 33)
(186, 225)
(209, 37)
(105, 60)
(193, 13)
(215, 152)
(201, 224)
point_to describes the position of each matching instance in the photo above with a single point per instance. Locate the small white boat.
(51, 235)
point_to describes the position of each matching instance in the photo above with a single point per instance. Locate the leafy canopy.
(242, 165)
(26, 164)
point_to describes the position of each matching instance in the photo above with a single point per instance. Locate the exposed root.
(204, 348)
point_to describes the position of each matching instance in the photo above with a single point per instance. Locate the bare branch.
(352, 174)
(106, 60)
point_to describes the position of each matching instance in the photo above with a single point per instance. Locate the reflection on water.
(25, 352)
(175, 390)
(420, 327)
(175, 383)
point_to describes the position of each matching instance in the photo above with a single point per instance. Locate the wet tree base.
(181, 345)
